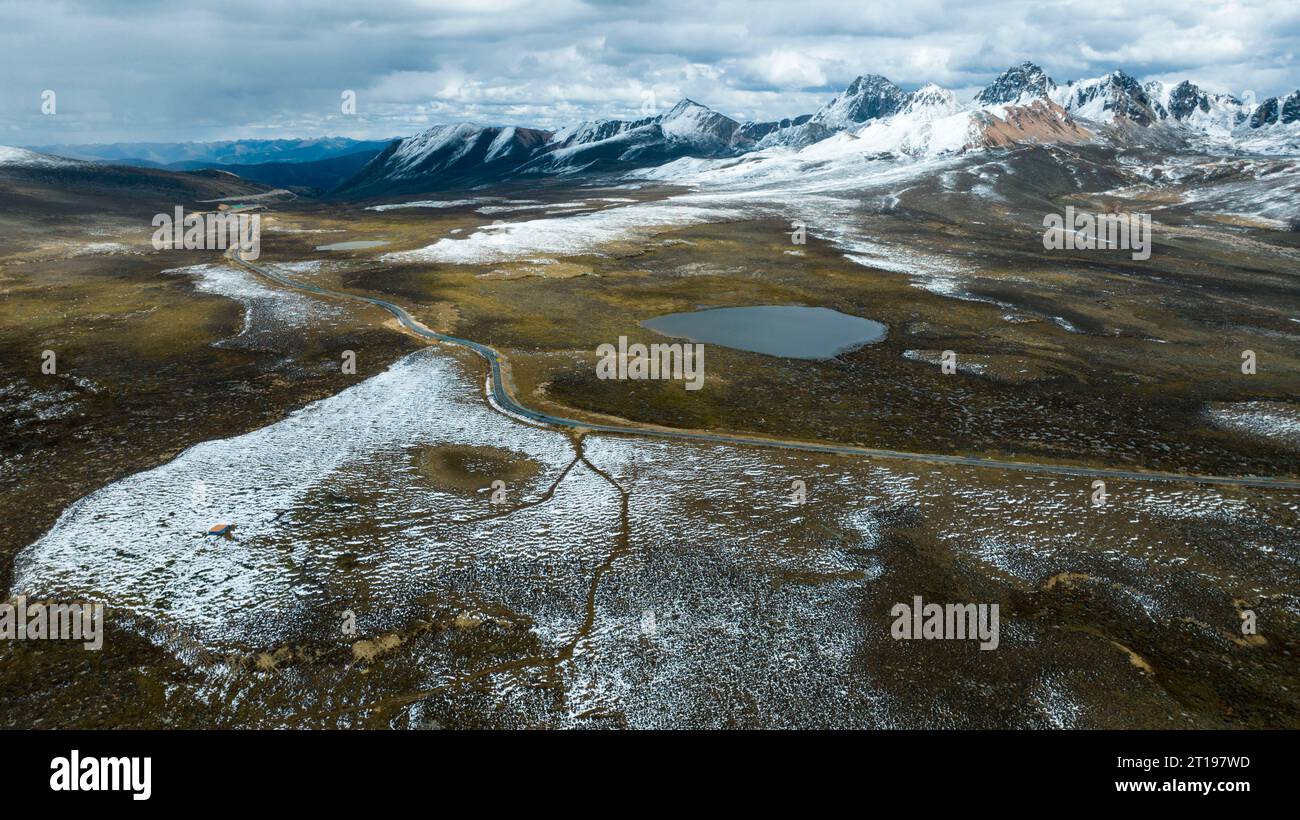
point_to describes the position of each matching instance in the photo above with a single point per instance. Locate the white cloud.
(152, 70)
(783, 68)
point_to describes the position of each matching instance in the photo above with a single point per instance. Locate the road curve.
(503, 399)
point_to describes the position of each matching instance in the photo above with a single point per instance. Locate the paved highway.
(504, 400)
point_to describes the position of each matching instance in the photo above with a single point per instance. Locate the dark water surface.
(776, 330)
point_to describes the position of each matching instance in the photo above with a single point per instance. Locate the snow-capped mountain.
(461, 154)
(585, 133)
(933, 123)
(867, 98)
(1186, 111)
(1183, 111)
(872, 115)
(699, 126)
(1185, 103)
(1186, 100)
(1118, 98)
(1020, 83)
(467, 154)
(931, 101)
(788, 133)
(1273, 126)
(1277, 110)
(687, 129)
(1105, 99)
(758, 130)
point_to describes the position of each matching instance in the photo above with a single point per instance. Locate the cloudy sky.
(169, 70)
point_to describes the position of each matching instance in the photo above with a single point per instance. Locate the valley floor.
(629, 581)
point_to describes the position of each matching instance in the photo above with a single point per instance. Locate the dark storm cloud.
(173, 71)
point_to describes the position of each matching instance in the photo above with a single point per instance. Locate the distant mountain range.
(304, 177)
(307, 166)
(34, 183)
(1022, 105)
(206, 154)
(464, 155)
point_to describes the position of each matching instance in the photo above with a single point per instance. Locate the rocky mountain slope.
(467, 154)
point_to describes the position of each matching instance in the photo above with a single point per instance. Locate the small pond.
(776, 330)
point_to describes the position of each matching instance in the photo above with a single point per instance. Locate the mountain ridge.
(1021, 104)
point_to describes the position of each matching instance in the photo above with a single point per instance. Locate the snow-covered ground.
(691, 600)
(266, 311)
(434, 203)
(1275, 422)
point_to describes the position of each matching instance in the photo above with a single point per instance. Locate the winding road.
(507, 402)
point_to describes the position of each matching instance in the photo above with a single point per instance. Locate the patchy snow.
(527, 205)
(935, 358)
(101, 248)
(434, 203)
(684, 600)
(559, 236)
(1273, 421)
(266, 310)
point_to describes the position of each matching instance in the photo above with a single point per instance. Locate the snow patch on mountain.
(918, 134)
(21, 157)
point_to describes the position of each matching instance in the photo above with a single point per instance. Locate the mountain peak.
(1120, 77)
(868, 97)
(1275, 110)
(1106, 98)
(1185, 98)
(932, 99)
(689, 121)
(1016, 82)
(867, 81)
(683, 105)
